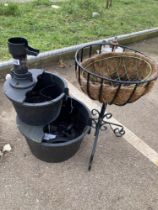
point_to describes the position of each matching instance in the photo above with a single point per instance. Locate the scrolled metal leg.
(99, 123)
(93, 149)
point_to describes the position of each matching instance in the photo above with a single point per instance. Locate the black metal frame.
(88, 50)
(99, 120)
(99, 123)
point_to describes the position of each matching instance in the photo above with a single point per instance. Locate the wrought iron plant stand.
(112, 74)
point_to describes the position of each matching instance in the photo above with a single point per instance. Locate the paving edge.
(48, 57)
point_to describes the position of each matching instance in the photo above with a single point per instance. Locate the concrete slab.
(121, 177)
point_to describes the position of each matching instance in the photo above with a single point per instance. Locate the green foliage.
(47, 28)
(9, 9)
(41, 2)
(81, 8)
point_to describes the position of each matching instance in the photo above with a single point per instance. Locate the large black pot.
(70, 127)
(40, 104)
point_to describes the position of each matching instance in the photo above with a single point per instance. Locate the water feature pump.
(19, 49)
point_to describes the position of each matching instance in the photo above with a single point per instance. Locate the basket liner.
(131, 67)
(108, 92)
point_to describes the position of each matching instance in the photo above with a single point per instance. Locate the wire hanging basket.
(114, 77)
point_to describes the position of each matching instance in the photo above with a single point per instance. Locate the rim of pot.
(84, 132)
(46, 103)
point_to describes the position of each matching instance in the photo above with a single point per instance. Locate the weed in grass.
(81, 8)
(9, 10)
(41, 2)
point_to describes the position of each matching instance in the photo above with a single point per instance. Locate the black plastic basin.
(70, 127)
(43, 103)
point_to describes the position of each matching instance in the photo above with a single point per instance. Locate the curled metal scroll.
(102, 123)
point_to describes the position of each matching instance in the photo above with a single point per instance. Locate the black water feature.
(37, 95)
(61, 139)
(53, 123)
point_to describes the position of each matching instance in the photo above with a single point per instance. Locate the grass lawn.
(47, 28)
